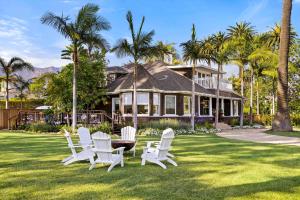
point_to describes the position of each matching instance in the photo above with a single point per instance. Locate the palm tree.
(15, 64)
(241, 36)
(83, 30)
(21, 85)
(191, 53)
(220, 55)
(282, 121)
(138, 48)
(163, 49)
(207, 50)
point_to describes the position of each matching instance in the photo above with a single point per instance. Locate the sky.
(23, 35)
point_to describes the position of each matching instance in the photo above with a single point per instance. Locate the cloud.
(253, 9)
(16, 40)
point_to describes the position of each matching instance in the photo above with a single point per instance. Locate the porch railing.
(211, 83)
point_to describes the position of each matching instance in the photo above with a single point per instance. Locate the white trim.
(173, 92)
(159, 103)
(174, 104)
(113, 104)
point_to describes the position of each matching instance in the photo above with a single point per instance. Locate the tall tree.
(220, 56)
(83, 30)
(241, 36)
(9, 68)
(138, 48)
(191, 53)
(282, 121)
(21, 85)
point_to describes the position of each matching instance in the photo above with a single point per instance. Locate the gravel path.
(258, 135)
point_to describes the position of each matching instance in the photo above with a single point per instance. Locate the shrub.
(43, 127)
(234, 122)
(165, 123)
(104, 127)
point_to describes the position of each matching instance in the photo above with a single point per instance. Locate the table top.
(122, 141)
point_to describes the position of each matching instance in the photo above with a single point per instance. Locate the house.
(164, 91)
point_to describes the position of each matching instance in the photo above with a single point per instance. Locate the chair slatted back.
(165, 143)
(70, 143)
(84, 137)
(128, 133)
(102, 143)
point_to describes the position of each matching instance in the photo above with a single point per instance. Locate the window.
(143, 103)
(204, 105)
(187, 105)
(156, 104)
(170, 105)
(115, 105)
(127, 102)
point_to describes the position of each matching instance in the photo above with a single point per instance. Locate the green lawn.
(209, 168)
(295, 133)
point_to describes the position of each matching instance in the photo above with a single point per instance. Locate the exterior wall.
(179, 109)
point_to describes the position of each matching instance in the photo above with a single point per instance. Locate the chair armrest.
(119, 150)
(74, 146)
(149, 143)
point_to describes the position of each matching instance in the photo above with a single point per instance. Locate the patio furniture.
(103, 150)
(85, 154)
(128, 144)
(128, 133)
(160, 153)
(85, 139)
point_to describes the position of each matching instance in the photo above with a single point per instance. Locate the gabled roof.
(116, 70)
(158, 76)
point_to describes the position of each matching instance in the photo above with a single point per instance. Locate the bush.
(104, 127)
(165, 123)
(42, 127)
(234, 122)
(180, 131)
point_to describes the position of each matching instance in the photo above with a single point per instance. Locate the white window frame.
(189, 101)
(158, 95)
(165, 114)
(123, 103)
(114, 104)
(235, 108)
(199, 106)
(143, 104)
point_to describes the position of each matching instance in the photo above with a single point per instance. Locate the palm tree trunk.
(251, 96)
(218, 94)
(242, 94)
(282, 121)
(193, 96)
(135, 121)
(257, 97)
(273, 97)
(74, 114)
(7, 93)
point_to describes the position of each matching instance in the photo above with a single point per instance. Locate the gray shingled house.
(164, 91)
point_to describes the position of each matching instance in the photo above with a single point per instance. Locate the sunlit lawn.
(209, 168)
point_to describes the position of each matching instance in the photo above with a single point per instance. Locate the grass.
(295, 133)
(209, 168)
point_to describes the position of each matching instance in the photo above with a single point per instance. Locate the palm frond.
(130, 23)
(123, 48)
(57, 22)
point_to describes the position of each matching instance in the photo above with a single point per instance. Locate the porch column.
(222, 106)
(231, 108)
(210, 106)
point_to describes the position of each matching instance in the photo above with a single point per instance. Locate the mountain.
(26, 74)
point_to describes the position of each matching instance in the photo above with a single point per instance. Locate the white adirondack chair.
(85, 139)
(160, 153)
(128, 133)
(103, 150)
(85, 154)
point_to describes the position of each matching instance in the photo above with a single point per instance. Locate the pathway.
(258, 135)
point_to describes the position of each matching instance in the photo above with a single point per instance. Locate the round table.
(128, 144)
